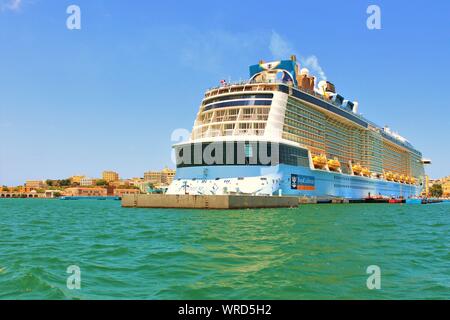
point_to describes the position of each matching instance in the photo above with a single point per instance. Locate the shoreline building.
(444, 183)
(77, 178)
(160, 178)
(110, 176)
(446, 187)
(34, 185)
(121, 192)
(86, 182)
(85, 192)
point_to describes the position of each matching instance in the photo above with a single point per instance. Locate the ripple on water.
(32, 284)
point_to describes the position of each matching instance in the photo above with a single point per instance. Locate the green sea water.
(313, 252)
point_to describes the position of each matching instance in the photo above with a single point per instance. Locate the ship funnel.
(355, 106)
(305, 81)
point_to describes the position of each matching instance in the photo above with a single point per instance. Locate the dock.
(207, 202)
(246, 201)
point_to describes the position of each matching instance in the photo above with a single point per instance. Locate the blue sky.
(108, 96)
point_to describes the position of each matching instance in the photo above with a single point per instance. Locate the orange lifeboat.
(413, 180)
(334, 164)
(365, 172)
(319, 161)
(402, 178)
(396, 177)
(357, 169)
(407, 180)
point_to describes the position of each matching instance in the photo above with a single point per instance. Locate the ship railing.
(238, 132)
(248, 82)
(232, 85)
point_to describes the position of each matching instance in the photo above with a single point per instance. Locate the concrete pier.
(207, 202)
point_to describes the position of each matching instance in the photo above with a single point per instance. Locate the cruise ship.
(282, 132)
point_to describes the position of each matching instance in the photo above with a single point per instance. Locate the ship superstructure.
(280, 132)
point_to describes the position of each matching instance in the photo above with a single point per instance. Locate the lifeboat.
(413, 180)
(402, 178)
(396, 177)
(365, 172)
(334, 164)
(319, 161)
(389, 176)
(407, 179)
(357, 169)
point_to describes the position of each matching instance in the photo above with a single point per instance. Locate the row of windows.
(239, 96)
(227, 129)
(303, 133)
(297, 125)
(366, 147)
(327, 106)
(233, 114)
(238, 104)
(395, 141)
(296, 109)
(316, 147)
(342, 140)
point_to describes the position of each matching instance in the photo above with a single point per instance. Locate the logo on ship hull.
(299, 182)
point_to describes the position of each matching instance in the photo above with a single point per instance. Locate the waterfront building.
(135, 181)
(16, 194)
(52, 193)
(87, 182)
(446, 187)
(121, 192)
(167, 176)
(85, 192)
(126, 182)
(144, 186)
(117, 184)
(153, 177)
(110, 176)
(163, 177)
(34, 184)
(77, 179)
